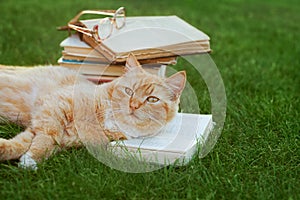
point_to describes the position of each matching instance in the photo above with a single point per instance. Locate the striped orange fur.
(62, 109)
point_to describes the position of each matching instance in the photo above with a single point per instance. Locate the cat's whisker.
(156, 120)
(153, 118)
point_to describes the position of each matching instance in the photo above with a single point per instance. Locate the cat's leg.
(42, 146)
(46, 143)
(17, 146)
(91, 134)
(89, 124)
(53, 133)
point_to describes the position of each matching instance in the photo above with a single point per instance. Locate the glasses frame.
(76, 25)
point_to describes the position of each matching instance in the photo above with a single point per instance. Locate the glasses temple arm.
(96, 12)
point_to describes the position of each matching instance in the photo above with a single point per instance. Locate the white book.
(178, 142)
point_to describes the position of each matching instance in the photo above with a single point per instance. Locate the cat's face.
(144, 103)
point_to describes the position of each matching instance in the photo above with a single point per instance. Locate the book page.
(150, 32)
(74, 41)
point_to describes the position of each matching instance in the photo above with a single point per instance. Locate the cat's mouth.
(134, 116)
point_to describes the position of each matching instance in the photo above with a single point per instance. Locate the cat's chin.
(136, 131)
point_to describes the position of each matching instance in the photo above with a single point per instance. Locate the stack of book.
(155, 41)
(80, 56)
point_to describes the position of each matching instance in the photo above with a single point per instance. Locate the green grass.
(256, 48)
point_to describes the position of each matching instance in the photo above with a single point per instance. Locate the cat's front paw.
(27, 162)
(114, 136)
(4, 153)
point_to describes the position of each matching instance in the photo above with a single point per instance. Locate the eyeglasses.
(104, 28)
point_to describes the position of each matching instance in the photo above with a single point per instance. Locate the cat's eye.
(152, 99)
(128, 91)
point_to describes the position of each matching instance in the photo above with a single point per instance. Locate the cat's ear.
(177, 83)
(132, 63)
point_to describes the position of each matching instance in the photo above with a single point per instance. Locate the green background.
(256, 49)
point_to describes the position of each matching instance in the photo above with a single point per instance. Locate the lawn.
(256, 49)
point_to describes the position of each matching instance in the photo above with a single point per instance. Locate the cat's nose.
(135, 105)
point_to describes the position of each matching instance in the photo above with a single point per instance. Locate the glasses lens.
(120, 17)
(105, 28)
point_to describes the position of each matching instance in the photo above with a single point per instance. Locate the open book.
(74, 49)
(178, 142)
(150, 37)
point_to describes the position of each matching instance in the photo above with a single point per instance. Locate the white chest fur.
(109, 121)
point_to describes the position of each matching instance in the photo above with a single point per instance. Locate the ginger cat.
(61, 109)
